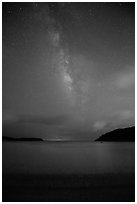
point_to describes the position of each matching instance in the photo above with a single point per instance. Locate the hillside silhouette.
(119, 135)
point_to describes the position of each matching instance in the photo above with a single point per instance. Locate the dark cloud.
(49, 121)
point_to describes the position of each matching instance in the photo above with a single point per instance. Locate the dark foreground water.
(68, 171)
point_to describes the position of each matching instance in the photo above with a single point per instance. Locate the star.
(9, 12)
(20, 9)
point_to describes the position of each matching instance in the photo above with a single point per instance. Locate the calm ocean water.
(68, 157)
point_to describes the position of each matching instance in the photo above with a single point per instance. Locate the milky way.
(73, 61)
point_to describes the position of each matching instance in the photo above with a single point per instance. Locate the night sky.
(68, 69)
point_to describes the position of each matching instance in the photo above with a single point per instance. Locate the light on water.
(68, 157)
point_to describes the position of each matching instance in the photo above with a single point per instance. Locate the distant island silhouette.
(119, 135)
(6, 138)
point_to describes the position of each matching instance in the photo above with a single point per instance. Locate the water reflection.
(87, 158)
